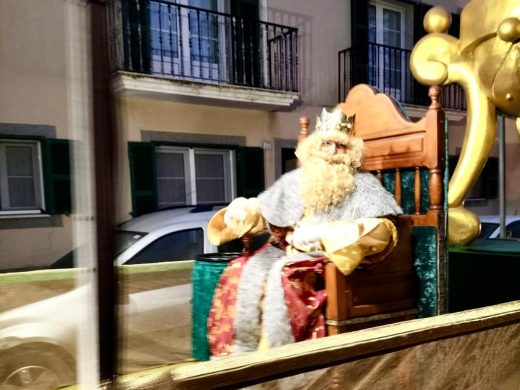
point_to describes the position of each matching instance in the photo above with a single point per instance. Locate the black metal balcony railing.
(183, 42)
(388, 69)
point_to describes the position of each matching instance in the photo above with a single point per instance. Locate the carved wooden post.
(435, 189)
(435, 185)
(304, 131)
(435, 94)
(379, 175)
(417, 191)
(398, 186)
(304, 128)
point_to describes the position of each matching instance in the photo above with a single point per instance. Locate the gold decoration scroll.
(485, 61)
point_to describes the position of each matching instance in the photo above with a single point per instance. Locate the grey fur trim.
(282, 204)
(250, 290)
(276, 326)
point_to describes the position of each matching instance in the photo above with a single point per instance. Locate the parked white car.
(490, 226)
(38, 340)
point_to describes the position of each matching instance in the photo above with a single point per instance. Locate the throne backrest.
(408, 158)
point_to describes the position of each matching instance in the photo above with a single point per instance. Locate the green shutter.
(250, 171)
(245, 8)
(246, 35)
(136, 35)
(490, 178)
(359, 33)
(419, 10)
(420, 91)
(454, 29)
(56, 175)
(142, 177)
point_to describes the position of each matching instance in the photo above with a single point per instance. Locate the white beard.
(326, 182)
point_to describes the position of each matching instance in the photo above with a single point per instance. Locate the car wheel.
(34, 369)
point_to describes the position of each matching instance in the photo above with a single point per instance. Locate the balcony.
(160, 48)
(388, 70)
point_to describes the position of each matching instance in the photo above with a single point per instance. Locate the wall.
(323, 31)
(137, 115)
(32, 64)
(33, 90)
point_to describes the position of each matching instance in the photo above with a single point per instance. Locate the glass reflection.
(48, 321)
(49, 317)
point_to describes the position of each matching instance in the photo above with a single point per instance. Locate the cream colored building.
(206, 99)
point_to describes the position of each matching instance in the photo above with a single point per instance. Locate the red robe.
(304, 295)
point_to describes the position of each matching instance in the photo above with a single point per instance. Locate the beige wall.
(32, 64)
(141, 114)
(22, 248)
(324, 30)
(135, 115)
(33, 91)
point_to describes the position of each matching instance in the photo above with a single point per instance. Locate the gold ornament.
(485, 61)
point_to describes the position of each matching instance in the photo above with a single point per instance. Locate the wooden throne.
(394, 146)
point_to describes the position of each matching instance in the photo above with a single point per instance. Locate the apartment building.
(206, 95)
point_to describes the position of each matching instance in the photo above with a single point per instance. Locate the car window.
(486, 228)
(126, 239)
(181, 245)
(513, 229)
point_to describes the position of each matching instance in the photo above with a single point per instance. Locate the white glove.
(239, 210)
(308, 237)
(236, 212)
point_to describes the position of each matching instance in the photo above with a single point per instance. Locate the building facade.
(206, 95)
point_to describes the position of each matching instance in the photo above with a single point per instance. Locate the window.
(204, 32)
(386, 33)
(487, 228)
(164, 28)
(185, 41)
(193, 176)
(513, 230)
(289, 160)
(181, 245)
(21, 187)
(486, 186)
(165, 176)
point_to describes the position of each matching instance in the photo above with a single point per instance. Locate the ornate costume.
(276, 296)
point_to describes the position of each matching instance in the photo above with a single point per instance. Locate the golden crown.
(335, 121)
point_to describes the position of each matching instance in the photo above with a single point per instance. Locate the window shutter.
(142, 177)
(56, 175)
(359, 33)
(136, 35)
(418, 30)
(420, 91)
(419, 10)
(454, 29)
(250, 171)
(245, 8)
(246, 60)
(490, 177)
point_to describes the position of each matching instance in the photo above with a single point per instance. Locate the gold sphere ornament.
(485, 61)
(509, 30)
(437, 20)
